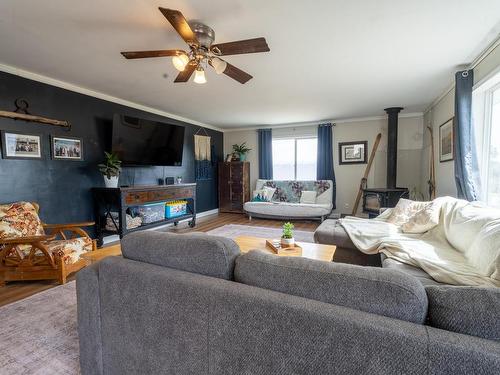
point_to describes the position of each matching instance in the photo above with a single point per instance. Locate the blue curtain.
(466, 164)
(265, 154)
(324, 169)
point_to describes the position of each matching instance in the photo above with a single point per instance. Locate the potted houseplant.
(110, 169)
(242, 150)
(287, 239)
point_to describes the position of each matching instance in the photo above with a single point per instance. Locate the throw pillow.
(405, 209)
(423, 220)
(19, 219)
(269, 192)
(263, 195)
(308, 197)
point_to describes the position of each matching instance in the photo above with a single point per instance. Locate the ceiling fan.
(202, 52)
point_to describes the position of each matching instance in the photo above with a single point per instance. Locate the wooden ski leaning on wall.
(365, 176)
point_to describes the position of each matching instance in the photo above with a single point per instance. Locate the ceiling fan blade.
(241, 46)
(180, 25)
(186, 73)
(144, 54)
(237, 74)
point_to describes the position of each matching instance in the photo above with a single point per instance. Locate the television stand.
(108, 200)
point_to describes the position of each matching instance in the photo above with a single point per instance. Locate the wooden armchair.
(33, 250)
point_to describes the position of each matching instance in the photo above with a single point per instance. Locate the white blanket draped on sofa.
(463, 249)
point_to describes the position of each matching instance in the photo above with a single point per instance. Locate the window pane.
(493, 192)
(306, 158)
(283, 159)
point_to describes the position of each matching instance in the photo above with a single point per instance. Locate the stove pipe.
(392, 145)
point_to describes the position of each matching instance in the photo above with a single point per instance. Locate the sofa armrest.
(89, 320)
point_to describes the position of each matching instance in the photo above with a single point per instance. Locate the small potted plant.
(110, 169)
(242, 150)
(287, 239)
(178, 179)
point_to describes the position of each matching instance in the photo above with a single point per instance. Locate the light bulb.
(199, 76)
(180, 61)
(219, 65)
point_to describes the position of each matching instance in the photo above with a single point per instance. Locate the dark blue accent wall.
(62, 188)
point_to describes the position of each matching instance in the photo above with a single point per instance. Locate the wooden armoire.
(234, 186)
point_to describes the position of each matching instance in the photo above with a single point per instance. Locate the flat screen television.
(140, 142)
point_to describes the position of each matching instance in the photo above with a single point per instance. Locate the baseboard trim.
(115, 238)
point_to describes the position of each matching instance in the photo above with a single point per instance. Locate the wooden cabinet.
(234, 186)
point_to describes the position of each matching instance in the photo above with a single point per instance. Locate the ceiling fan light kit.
(202, 52)
(180, 61)
(199, 75)
(219, 65)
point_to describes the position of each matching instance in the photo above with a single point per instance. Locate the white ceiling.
(329, 59)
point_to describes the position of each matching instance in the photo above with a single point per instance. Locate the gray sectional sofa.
(192, 304)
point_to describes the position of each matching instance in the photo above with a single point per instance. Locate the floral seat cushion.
(19, 219)
(70, 250)
(290, 191)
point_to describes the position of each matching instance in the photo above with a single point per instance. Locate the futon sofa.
(286, 202)
(192, 304)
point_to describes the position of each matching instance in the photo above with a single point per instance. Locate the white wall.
(439, 113)
(348, 176)
(409, 154)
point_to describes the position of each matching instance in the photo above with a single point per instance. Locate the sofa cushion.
(419, 273)
(287, 210)
(331, 232)
(375, 290)
(19, 219)
(465, 309)
(290, 191)
(308, 196)
(70, 250)
(195, 252)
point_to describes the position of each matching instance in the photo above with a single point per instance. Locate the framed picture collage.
(30, 146)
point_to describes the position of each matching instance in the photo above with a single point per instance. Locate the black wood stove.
(376, 198)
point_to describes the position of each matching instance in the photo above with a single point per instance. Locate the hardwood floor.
(14, 291)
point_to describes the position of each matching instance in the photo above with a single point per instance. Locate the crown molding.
(99, 95)
(314, 123)
(479, 58)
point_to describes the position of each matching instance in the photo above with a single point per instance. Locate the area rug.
(38, 334)
(235, 230)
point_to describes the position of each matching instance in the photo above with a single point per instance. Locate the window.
(294, 158)
(487, 122)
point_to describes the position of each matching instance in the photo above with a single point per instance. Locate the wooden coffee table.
(309, 250)
(246, 243)
(99, 254)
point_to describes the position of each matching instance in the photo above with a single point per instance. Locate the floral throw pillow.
(19, 219)
(404, 210)
(423, 220)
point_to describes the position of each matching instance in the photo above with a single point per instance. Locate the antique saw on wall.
(202, 52)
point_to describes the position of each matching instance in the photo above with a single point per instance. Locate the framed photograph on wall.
(64, 148)
(21, 146)
(353, 152)
(446, 141)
